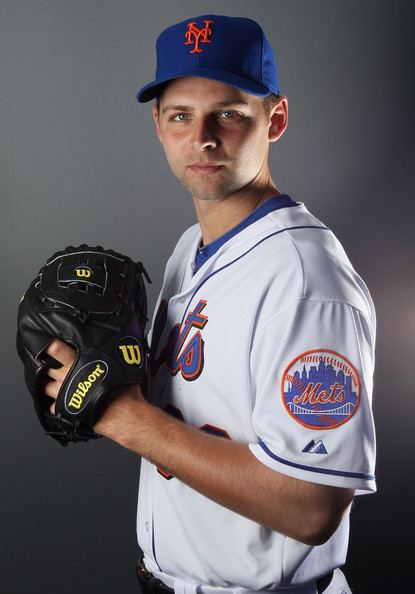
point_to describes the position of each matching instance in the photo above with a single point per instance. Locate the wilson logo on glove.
(91, 376)
(83, 272)
(130, 350)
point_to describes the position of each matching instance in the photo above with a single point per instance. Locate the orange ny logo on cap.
(196, 35)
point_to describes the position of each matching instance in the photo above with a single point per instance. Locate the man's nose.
(204, 137)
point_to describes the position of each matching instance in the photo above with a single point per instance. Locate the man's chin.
(206, 194)
(207, 188)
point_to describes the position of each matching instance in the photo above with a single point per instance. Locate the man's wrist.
(122, 415)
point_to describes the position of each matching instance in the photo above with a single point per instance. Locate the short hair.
(269, 102)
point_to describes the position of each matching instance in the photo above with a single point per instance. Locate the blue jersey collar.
(204, 253)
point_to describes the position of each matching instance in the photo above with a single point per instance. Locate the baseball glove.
(95, 300)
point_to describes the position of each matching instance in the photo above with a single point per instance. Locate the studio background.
(79, 162)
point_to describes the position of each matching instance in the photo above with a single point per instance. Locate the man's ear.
(157, 122)
(278, 119)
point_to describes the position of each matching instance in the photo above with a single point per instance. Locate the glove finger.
(51, 388)
(49, 362)
(62, 352)
(58, 375)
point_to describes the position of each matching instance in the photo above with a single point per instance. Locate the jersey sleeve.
(312, 379)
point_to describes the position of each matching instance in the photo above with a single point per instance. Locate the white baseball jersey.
(271, 343)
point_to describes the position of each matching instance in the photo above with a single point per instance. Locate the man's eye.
(181, 117)
(229, 114)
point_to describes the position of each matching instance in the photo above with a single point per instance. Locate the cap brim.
(153, 89)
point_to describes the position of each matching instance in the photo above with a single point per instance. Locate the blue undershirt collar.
(204, 253)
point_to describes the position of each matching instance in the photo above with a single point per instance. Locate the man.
(256, 431)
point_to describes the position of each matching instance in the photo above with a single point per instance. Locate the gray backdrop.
(80, 163)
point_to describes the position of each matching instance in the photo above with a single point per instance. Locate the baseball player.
(256, 431)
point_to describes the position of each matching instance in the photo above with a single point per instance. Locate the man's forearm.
(225, 471)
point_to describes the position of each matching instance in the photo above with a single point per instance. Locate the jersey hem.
(363, 482)
(183, 586)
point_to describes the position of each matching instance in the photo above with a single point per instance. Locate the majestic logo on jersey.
(321, 389)
(195, 36)
(314, 447)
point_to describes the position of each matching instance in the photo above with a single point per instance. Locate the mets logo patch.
(196, 35)
(320, 389)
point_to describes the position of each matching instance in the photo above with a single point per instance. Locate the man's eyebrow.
(220, 105)
(232, 102)
(177, 108)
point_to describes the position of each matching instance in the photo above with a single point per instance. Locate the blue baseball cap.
(232, 50)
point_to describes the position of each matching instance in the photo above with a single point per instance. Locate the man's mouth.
(205, 168)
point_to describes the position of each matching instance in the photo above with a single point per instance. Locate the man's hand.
(65, 355)
(110, 424)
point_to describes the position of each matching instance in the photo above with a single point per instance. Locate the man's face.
(215, 136)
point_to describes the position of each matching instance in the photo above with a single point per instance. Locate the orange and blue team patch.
(321, 389)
